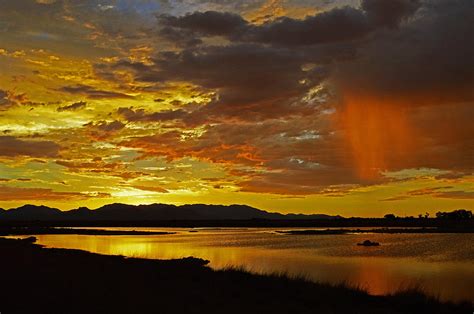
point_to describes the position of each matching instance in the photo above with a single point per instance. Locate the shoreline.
(24, 231)
(421, 230)
(44, 230)
(74, 281)
(455, 225)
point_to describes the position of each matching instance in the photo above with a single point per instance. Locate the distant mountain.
(124, 212)
(32, 212)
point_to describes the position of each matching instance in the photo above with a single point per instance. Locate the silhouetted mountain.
(124, 212)
(314, 216)
(32, 212)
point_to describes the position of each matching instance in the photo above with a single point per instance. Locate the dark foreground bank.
(40, 280)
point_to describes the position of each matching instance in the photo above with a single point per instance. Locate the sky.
(356, 108)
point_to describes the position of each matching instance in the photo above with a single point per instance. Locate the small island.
(368, 243)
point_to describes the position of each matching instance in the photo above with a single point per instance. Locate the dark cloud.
(413, 85)
(428, 60)
(150, 188)
(187, 30)
(72, 107)
(91, 92)
(452, 175)
(395, 198)
(208, 23)
(79, 28)
(140, 115)
(102, 130)
(389, 13)
(179, 37)
(9, 99)
(444, 137)
(339, 24)
(109, 126)
(252, 81)
(335, 25)
(11, 146)
(3, 97)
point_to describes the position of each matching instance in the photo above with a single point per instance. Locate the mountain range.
(152, 212)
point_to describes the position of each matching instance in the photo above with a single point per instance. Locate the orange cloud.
(11, 146)
(25, 194)
(150, 188)
(437, 192)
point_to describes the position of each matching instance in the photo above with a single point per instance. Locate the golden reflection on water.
(401, 261)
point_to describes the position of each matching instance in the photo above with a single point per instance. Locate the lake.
(440, 264)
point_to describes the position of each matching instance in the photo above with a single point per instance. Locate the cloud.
(427, 191)
(86, 28)
(455, 195)
(254, 80)
(210, 23)
(26, 194)
(17, 179)
(281, 157)
(150, 188)
(46, 1)
(140, 115)
(408, 109)
(435, 192)
(97, 165)
(9, 99)
(91, 92)
(251, 81)
(72, 107)
(424, 61)
(395, 198)
(101, 130)
(3, 99)
(108, 126)
(389, 13)
(338, 24)
(11, 146)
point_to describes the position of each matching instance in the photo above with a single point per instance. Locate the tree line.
(457, 214)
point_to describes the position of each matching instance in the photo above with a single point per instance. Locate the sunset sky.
(357, 108)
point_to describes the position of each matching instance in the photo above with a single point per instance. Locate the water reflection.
(403, 260)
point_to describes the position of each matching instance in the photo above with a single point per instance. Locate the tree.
(455, 214)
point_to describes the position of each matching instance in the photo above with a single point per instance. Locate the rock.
(368, 243)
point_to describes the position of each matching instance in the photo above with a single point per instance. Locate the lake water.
(441, 264)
